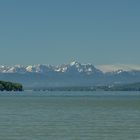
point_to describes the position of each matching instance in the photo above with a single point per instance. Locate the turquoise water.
(70, 116)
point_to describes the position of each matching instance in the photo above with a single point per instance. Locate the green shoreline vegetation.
(124, 87)
(10, 86)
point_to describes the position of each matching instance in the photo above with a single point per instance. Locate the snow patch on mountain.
(72, 67)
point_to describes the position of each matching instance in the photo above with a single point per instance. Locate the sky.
(58, 31)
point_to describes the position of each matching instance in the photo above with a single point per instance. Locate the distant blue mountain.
(72, 74)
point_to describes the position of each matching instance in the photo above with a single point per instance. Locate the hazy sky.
(55, 31)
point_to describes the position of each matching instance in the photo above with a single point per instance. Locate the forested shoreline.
(10, 86)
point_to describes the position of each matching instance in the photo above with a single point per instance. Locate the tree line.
(9, 86)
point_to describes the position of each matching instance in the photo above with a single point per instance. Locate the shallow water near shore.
(69, 115)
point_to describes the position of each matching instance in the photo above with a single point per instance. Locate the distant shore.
(125, 87)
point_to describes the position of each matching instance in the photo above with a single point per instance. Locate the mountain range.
(71, 74)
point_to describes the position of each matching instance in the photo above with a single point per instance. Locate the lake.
(69, 115)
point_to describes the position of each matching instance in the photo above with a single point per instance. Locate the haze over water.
(70, 115)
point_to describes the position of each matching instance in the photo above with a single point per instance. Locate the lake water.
(70, 116)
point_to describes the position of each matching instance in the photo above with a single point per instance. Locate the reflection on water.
(70, 116)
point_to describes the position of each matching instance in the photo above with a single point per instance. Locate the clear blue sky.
(55, 31)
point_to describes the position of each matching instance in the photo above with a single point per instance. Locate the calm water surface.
(70, 116)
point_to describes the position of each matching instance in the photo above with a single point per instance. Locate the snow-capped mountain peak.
(74, 63)
(71, 74)
(72, 67)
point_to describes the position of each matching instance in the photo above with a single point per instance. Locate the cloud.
(109, 68)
